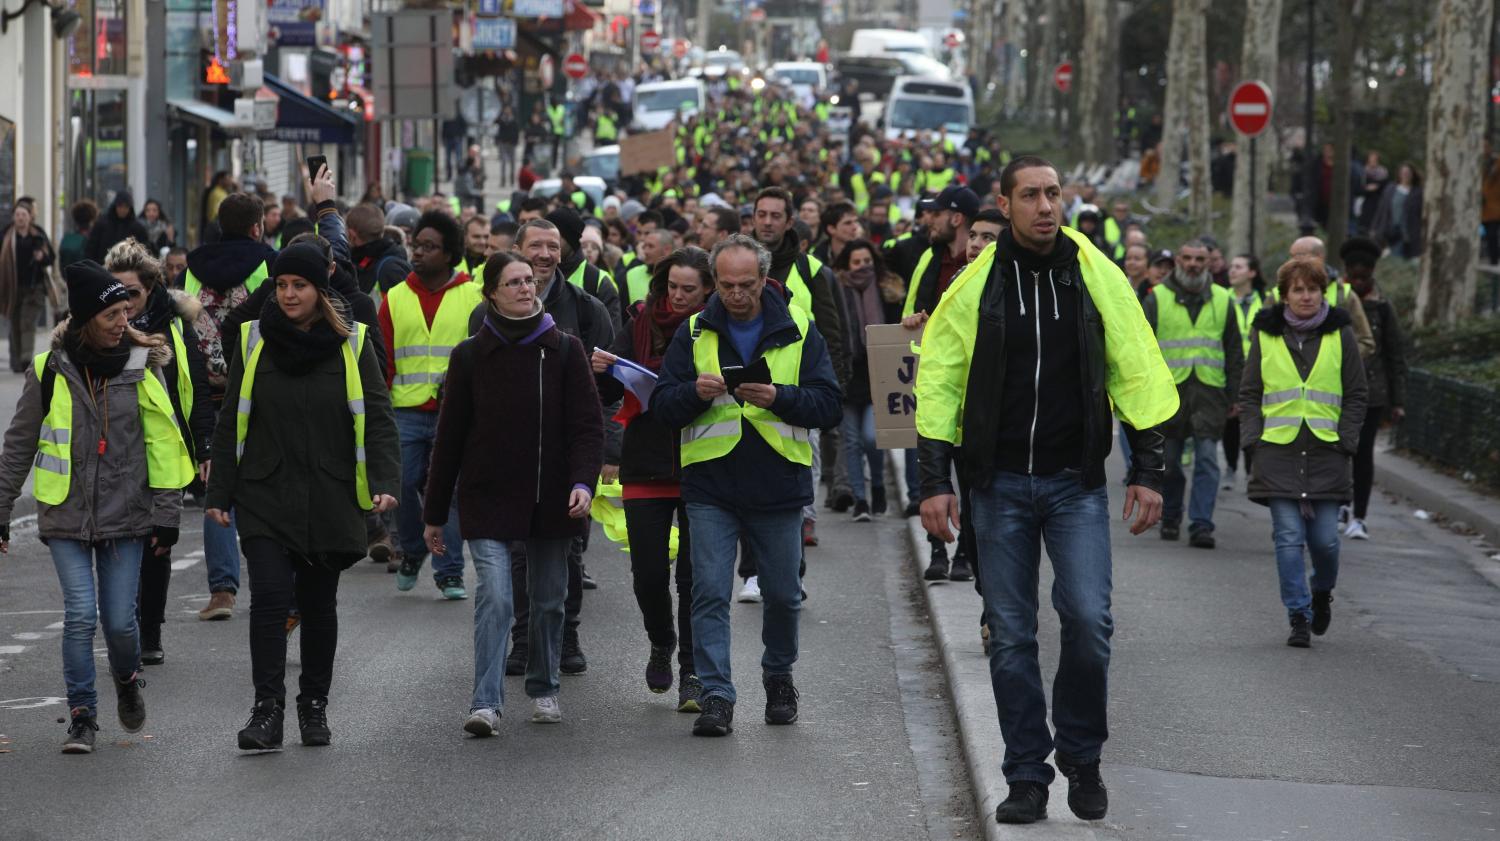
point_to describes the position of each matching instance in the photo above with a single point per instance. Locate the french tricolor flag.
(639, 383)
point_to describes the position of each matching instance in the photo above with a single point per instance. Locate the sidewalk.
(1457, 501)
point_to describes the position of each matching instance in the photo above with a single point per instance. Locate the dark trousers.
(1232, 449)
(572, 605)
(748, 568)
(279, 581)
(151, 599)
(649, 525)
(1364, 460)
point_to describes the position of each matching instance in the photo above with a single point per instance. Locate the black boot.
(573, 661)
(960, 570)
(877, 500)
(937, 567)
(1322, 611)
(312, 720)
(151, 650)
(1087, 796)
(1170, 531)
(1300, 637)
(1026, 803)
(263, 730)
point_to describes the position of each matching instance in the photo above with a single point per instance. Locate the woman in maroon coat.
(520, 439)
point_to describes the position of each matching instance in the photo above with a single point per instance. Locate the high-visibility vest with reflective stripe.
(473, 271)
(184, 377)
(1244, 318)
(861, 191)
(421, 352)
(796, 284)
(169, 466)
(192, 285)
(1288, 401)
(716, 432)
(910, 306)
(637, 282)
(1191, 347)
(251, 347)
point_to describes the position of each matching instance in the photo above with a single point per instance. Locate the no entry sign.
(650, 42)
(1250, 108)
(1063, 76)
(575, 66)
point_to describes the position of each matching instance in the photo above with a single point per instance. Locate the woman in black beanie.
(308, 448)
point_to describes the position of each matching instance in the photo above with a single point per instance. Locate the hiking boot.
(81, 732)
(312, 720)
(452, 588)
(483, 723)
(809, 533)
(406, 574)
(1322, 610)
(842, 501)
(263, 730)
(515, 662)
(588, 580)
(573, 661)
(1300, 637)
(1087, 796)
(750, 593)
(1170, 531)
(861, 511)
(877, 501)
(937, 567)
(717, 718)
(960, 569)
(131, 705)
(151, 650)
(1026, 803)
(1201, 539)
(781, 699)
(659, 668)
(220, 606)
(689, 694)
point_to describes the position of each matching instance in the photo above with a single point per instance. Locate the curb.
(1454, 499)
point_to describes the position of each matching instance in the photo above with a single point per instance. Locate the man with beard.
(902, 252)
(1201, 343)
(809, 286)
(476, 246)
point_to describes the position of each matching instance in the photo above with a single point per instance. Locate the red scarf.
(666, 321)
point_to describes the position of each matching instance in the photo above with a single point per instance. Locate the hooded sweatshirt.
(110, 228)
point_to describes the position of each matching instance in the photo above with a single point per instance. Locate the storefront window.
(97, 47)
(97, 156)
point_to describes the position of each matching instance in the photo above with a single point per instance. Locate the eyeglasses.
(517, 284)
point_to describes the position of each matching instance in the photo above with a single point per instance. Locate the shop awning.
(200, 111)
(302, 119)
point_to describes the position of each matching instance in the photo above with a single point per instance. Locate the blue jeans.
(858, 430)
(1321, 537)
(913, 477)
(775, 538)
(221, 555)
(111, 603)
(546, 586)
(417, 430)
(1013, 513)
(1205, 483)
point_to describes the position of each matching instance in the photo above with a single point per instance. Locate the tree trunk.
(1450, 198)
(1187, 112)
(1093, 75)
(1015, 66)
(1041, 61)
(1348, 21)
(1258, 61)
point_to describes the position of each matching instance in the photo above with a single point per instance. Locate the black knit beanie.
(305, 260)
(91, 290)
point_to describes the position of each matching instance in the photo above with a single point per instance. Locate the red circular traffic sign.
(650, 41)
(575, 66)
(1063, 76)
(1250, 108)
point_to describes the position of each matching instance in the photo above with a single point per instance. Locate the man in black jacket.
(379, 262)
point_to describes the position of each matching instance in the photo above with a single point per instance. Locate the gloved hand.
(163, 538)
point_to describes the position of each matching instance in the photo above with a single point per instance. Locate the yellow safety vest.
(251, 347)
(861, 192)
(604, 128)
(910, 306)
(637, 283)
(169, 465)
(421, 352)
(1135, 376)
(939, 181)
(557, 114)
(796, 284)
(193, 285)
(1287, 401)
(1243, 319)
(716, 432)
(473, 272)
(184, 378)
(1193, 347)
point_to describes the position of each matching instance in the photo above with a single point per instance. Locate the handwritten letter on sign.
(893, 379)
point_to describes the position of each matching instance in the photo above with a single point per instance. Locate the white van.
(656, 103)
(876, 41)
(808, 79)
(919, 103)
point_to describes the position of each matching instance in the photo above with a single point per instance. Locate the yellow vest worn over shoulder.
(939, 181)
(1136, 377)
(474, 272)
(1288, 401)
(796, 284)
(915, 283)
(637, 283)
(169, 466)
(192, 285)
(184, 382)
(251, 347)
(421, 352)
(1244, 318)
(716, 432)
(1193, 347)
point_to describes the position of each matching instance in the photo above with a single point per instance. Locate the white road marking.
(28, 635)
(184, 563)
(56, 626)
(30, 703)
(27, 612)
(12, 649)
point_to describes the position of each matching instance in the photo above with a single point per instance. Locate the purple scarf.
(1301, 329)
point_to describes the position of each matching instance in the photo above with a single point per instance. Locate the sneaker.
(781, 699)
(263, 730)
(1299, 637)
(515, 662)
(452, 588)
(588, 580)
(1026, 803)
(1229, 478)
(1356, 530)
(809, 533)
(546, 710)
(406, 574)
(717, 718)
(151, 650)
(1087, 796)
(1201, 539)
(220, 606)
(861, 511)
(842, 501)
(913, 509)
(659, 668)
(1170, 531)
(1322, 610)
(573, 661)
(877, 501)
(937, 567)
(750, 593)
(483, 723)
(689, 694)
(312, 721)
(131, 705)
(293, 620)
(960, 570)
(381, 551)
(81, 732)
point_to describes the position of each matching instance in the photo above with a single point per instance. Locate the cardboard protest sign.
(649, 151)
(893, 379)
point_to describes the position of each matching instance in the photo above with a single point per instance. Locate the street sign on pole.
(575, 66)
(1063, 76)
(1250, 107)
(650, 42)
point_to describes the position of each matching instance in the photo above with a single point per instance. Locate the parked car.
(603, 162)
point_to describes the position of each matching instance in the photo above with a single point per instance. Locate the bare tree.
(1015, 66)
(1094, 78)
(1455, 125)
(1258, 61)
(1348, 21)
(1187, 112)
(1042, 59)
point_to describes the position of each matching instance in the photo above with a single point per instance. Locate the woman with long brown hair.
(25, 259)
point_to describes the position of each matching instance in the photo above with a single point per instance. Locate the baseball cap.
(1163, 256)
(929, 205)
(961, 199)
